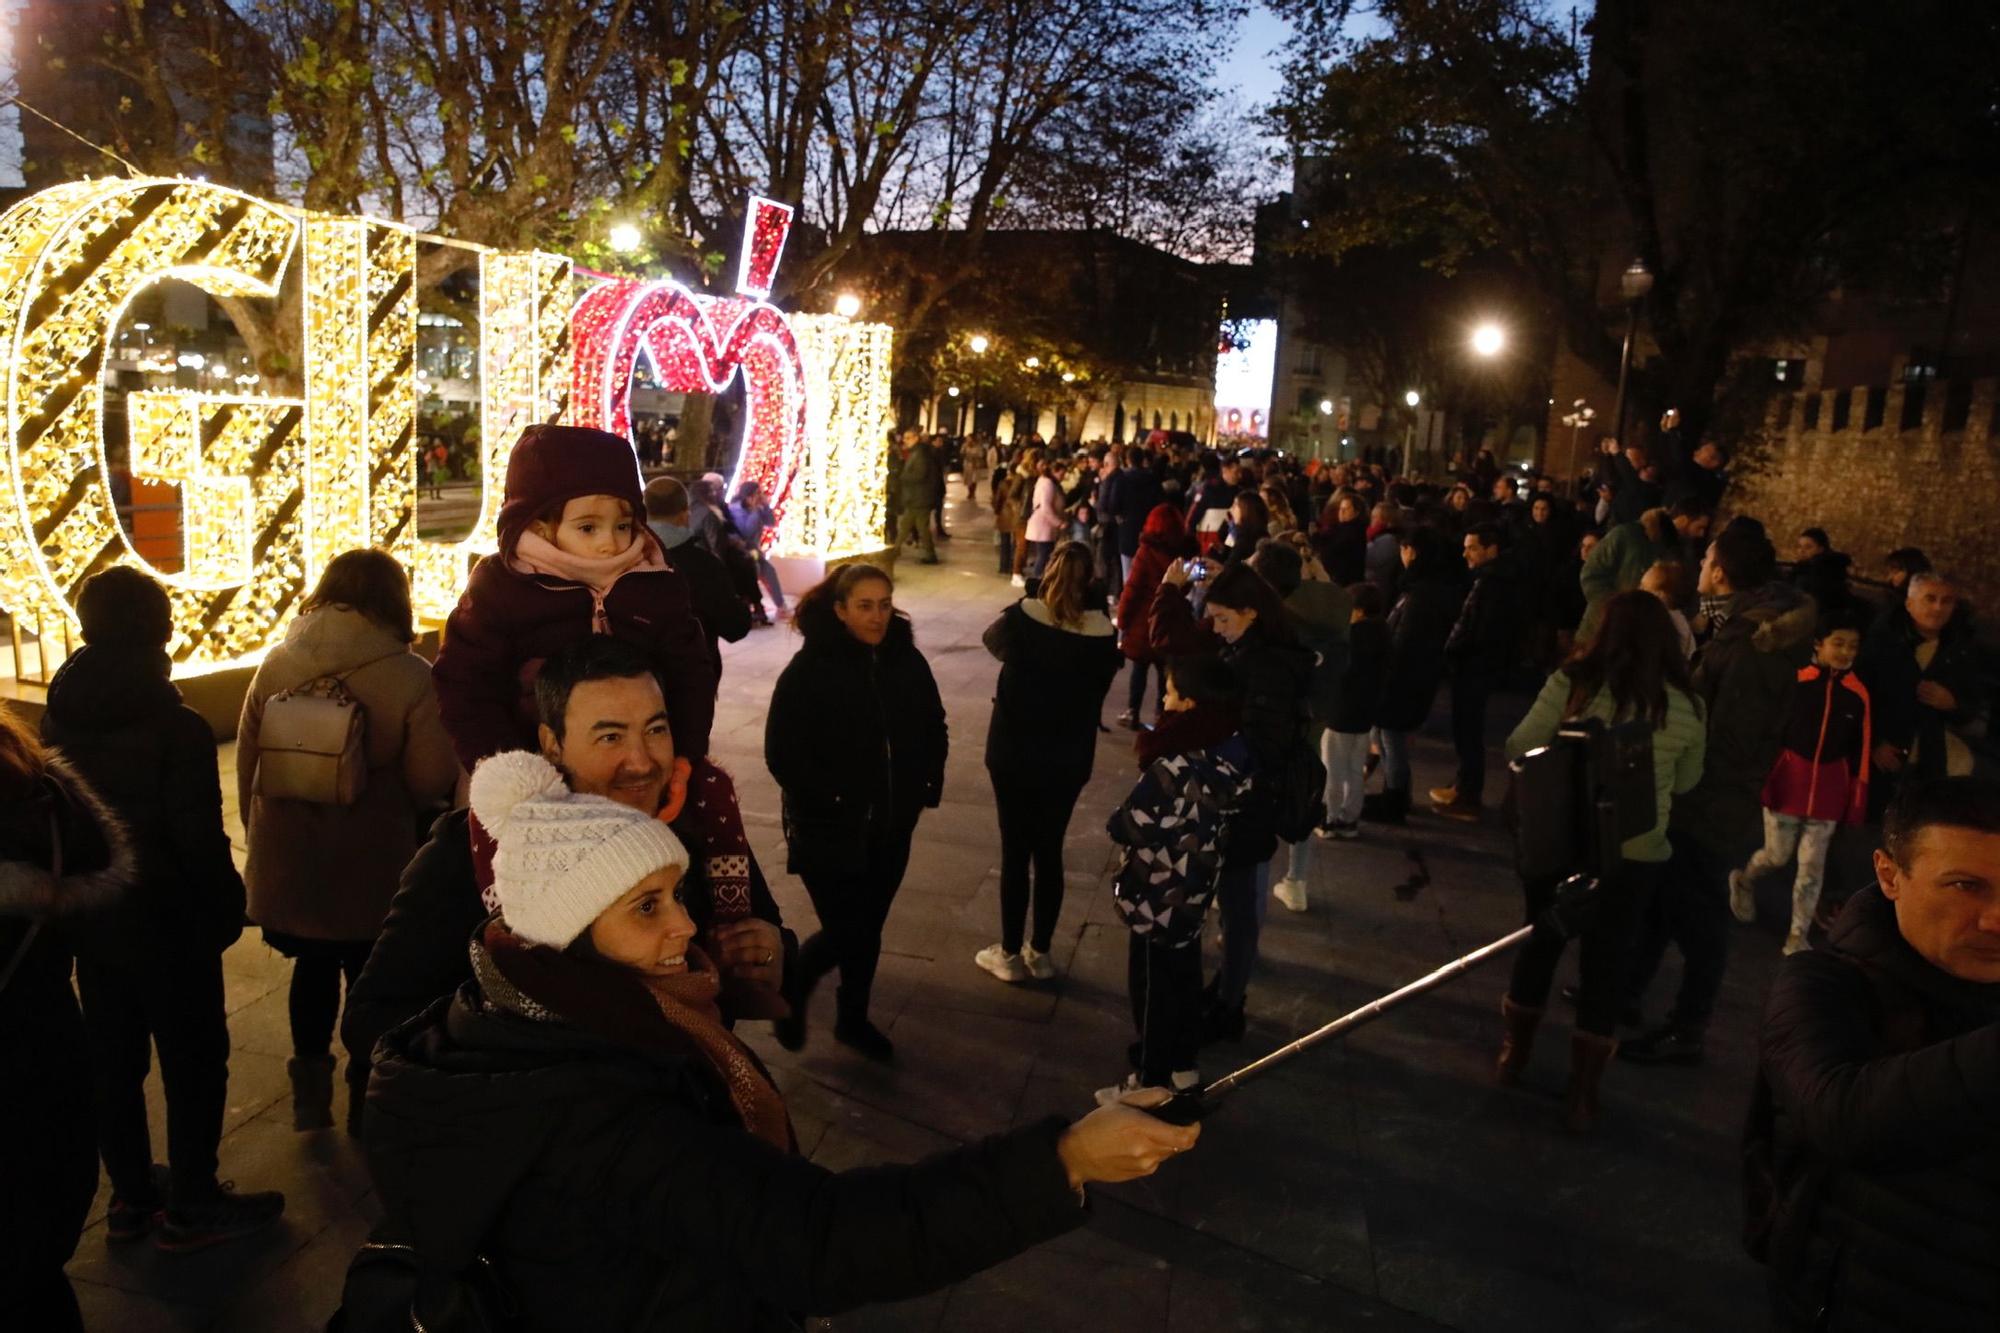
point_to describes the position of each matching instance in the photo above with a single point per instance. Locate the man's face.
(1708, 456)
(1948, 900)
(1692, 527)
(1542, 510)
(1232, 473)
(1503, 489)
(615, 742)
(1587, 544)
(1930, 604)
(1713, 582)
(1478, 553)
(1805, 548)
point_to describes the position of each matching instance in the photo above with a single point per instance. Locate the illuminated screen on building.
(1243, 379)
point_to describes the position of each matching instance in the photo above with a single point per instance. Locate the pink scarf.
(536, 554)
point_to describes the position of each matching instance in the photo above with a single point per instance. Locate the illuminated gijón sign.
(271, 488)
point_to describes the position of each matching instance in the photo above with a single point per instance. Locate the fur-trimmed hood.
(97, 856)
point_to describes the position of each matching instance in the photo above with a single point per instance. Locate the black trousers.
(852, 909)
(1135, 686)
(1165, 986)
(1470, 689)
(314, 1000)
(172, 1000)
(1690, 911)
(1605, 946)
(1034, 816)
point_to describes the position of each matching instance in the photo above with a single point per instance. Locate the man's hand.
(1177, 574)
(1888, 758)
(1120, 1142)
(751, 950)
(1933, 695)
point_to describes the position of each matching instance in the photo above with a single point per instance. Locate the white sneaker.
(1291, 893)
(1020, 582)
(1742, 904)
(1795, 943)
(1006, 966)
(1038, 964)
(1116, 1092)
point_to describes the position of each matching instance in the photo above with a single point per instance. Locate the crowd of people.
(536, 891)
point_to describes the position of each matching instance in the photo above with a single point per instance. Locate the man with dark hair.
(1479, 652)
(1131, 503)
(1819, 571)
(1744, 679)
(1673, 536)
(718, 604)
(1873, 1181)
(603, 723)
(149, 972)
(1922, 666)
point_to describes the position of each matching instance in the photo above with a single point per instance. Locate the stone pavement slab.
(1378, 1183)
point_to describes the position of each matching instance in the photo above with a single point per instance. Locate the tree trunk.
(691, 439)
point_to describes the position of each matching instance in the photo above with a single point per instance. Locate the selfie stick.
(1184, 1108)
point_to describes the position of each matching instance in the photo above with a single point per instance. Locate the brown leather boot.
(1517, 1042)
(1588, 1054)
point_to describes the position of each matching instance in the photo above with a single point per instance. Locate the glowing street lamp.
(1413, 398)
(847, 305)
(1488, 339)
(952, 391)
(624, 238)
(1326, 407)
(979, 344)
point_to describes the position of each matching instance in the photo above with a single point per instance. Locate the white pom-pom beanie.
(563, 856)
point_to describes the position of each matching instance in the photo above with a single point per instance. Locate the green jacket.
(1678, 748)
(1621, 560)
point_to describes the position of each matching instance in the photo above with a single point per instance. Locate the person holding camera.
(1632, 670)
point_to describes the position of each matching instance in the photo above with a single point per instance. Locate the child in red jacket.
(1820, 780)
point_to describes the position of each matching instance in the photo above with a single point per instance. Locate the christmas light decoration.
(271, 488)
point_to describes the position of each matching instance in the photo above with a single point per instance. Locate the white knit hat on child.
(563, 856)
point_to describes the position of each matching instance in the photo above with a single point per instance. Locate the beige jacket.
(327, 872)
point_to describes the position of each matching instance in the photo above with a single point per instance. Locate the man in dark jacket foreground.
(1874, 1164)
(605, 726)
(1481, 650)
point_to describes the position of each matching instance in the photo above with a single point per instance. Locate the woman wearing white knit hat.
(578, 1116)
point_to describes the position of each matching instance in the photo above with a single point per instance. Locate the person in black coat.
(718, 601)
(1481, 650)
(63, 857)
(1058, 657)
(1926, 683)
(856, 739)
(150, 972)
(578, 1117)
(1819, 571)
(1136, 494)
(1419, 624)
(1874, 1169)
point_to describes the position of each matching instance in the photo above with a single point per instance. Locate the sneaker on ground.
(1290, 892)
(1129, 720)
(1038, 964)
(1007, 966)
(1464, 812)
(224, 1215)
(1345, 830)
(1742, 905)
(131, 1219)
(1444, 795)
(1020, 582)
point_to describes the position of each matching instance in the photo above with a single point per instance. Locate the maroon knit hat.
(553, 465)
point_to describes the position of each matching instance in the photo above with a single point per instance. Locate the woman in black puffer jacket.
(1245, 624)
(856, 738)
(63, 856)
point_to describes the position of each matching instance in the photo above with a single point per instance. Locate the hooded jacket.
(1163, 541)
(151, 760)
(1822, 769)
(1745, 678)
(48, 1139)
(1882, 1073)
(1046, 704)
(1621, 560)
(613, 1187)
(855, 736)
(327, 872)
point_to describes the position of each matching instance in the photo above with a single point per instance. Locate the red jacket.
(1822, 771)
(1162, 541)
(507, 624)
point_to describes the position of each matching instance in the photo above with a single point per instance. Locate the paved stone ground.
(1380, 1183)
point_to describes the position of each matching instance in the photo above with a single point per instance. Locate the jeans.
(852, 908)
(768, 576)
(1470, 690)
(1241, 893)
(172, 1000)
(1605, 946)
(1165, 985)
(1034, 815)
(1691, 910)
(1038, 558)
(1345, 754)
(1395, 758)
(1125, 569)
(1810, 838)
(1135, 686)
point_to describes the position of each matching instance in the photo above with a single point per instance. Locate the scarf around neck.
(536, 554)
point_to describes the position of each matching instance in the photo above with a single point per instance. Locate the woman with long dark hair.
(1245, 624)
(1249, 523)
(1057, 658)
(1631, 671)
(856, 738)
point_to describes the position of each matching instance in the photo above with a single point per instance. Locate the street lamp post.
(1633, 284)
(1410, 400)
(978, 343)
